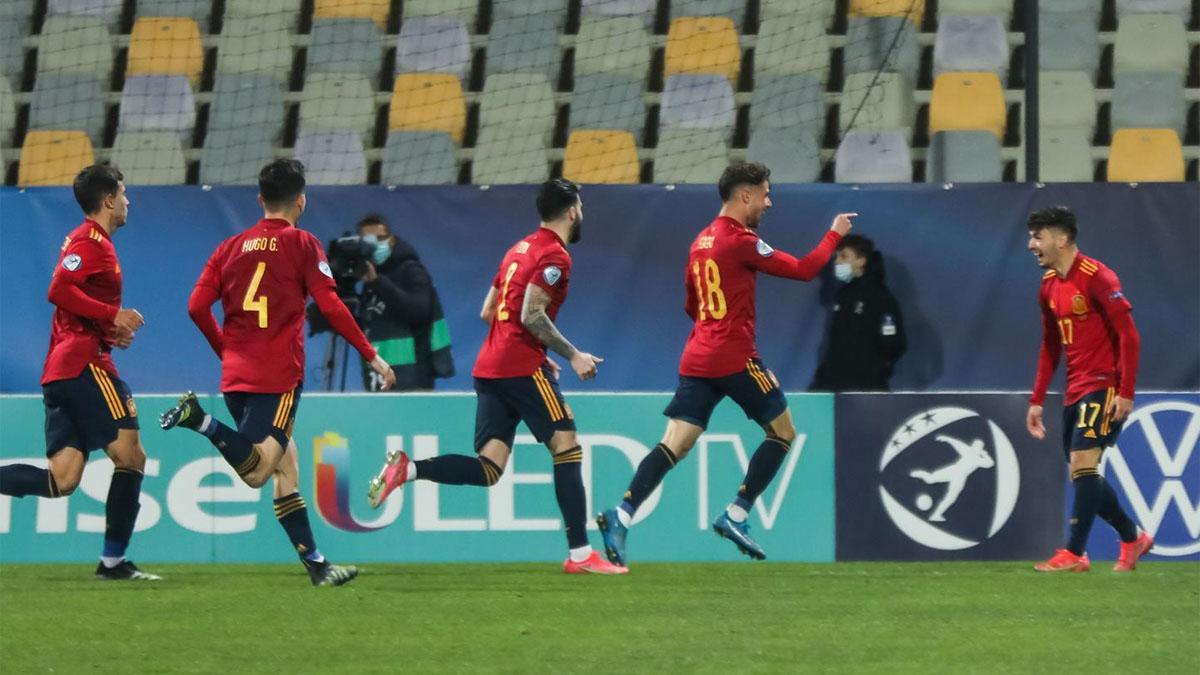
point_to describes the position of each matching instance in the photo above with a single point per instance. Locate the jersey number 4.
(712, 300)
(256, 304)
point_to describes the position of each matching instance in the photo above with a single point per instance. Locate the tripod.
(337, 352)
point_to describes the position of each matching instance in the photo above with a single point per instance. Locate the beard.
(576, 232)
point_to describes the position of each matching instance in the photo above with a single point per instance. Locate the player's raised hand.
(119, 338)
(842, 224)
(384, 371)
(128, 320)
(1119, 408)
(584, 365)
(1033, 422)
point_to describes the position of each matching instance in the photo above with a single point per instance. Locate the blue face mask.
(383, 251)
(844, 272)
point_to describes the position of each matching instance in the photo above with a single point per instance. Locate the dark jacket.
(402, 316)
(866, 335)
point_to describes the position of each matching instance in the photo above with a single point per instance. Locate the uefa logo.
(949, 478)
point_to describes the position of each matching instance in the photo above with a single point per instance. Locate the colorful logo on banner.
(331, 459)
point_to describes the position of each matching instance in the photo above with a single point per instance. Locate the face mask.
(383, 251)
(843, 272)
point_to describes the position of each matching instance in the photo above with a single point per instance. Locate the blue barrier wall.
(956, 261)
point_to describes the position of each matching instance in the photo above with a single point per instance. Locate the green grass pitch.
(662, 618)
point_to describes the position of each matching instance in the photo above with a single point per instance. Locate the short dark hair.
(555, 197)
(862, 246)
(739, 174)
(373, 219)
(94, 183)
(281, 181)
(1056, 217)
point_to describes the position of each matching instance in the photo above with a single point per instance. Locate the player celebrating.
(262, 277)
(515, 380)
(1084, 311)
(88, 405)
(720, 358)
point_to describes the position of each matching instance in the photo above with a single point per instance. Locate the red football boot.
(595, 564)
(1130, 552)
(1065, 561)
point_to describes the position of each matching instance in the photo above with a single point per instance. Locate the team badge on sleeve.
(324, 267)
(764, 249)
(1115, 295)
(72, 262)
(552, 274)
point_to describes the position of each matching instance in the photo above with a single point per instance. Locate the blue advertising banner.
(944, 477)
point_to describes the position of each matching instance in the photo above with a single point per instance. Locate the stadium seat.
(608, 101)
(198, 10)
(963, 157)
(703, 45)
(556, 9)
(793, 155)
(149, 158)
(698, 102)
(913, 9)
(69, 101)
(166, 46)
(601, 157)
(1000, 8)
(618, 45)
(966, 101)
(247, 101)
(878, 101)
(502, 158)
(375, 10)
(463, 10)
(792, 45)
(735, 10)
(245, 9)
(1078, 46)
(336, 102)
(71, 44)
(1145, 155)
(819, 11)
(12, 53)
(53, 157)
(257, 45)
(1066, 99)
(1089, 10)
(1065, 155)
(158, 103)
(8, 112)
(18, 14)
(332, 157)
(108, 12)
(1151, 42)
(419, 158)
(524, 44)
(434, 44)
(887, 43)
(1179, 8)
(790, 102)
(642, 10)
(521, 103)
(1149, 101)
(234, 156)
(873, 157)
(688, 156)
(971, 44)
(428, 102)
(348, 46)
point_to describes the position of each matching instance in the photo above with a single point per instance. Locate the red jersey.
(720, 280)
(86, 293)
(1086, 313)
(510, 350)
(263, 278)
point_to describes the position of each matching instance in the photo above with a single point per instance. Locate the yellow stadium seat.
(601, 157)
(1145, 155)
(428, 102)
(53, 157)
(913, 9)
(706, 44)
(166, 46)
(375, 10)
(967, 101)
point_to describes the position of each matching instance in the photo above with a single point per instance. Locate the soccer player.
(263, 277)
(1085, 313)
(720, 358)
(88, 405)
(515, 380)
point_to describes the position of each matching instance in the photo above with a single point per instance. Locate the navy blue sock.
(459, 470)
(764, 464)
(1089, 491)
(292, 513)
(234, 447)
(121, 510)
(25, 480)
(1113, 514)
(649, 475)
(572, 500)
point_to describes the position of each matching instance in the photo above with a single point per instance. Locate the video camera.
(348, 258)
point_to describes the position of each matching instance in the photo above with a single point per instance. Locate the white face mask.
(843, 271)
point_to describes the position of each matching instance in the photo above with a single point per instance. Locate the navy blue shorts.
(261, 415)
(502, 403)
(1086, 425)
(87, 411)
(755, 389)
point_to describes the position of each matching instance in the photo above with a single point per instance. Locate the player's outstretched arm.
(1048, 357)
(1118, 313)
(781, 264)
(536, 321)
(342, 321)
(200, 310)
(488, 311)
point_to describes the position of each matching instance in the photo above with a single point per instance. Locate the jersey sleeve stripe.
(110, 393)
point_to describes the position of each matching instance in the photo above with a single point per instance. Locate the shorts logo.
(552, 274)
(131, 407)
(1078, 305)
(324, 267)
(764, 249)
(72, 262)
